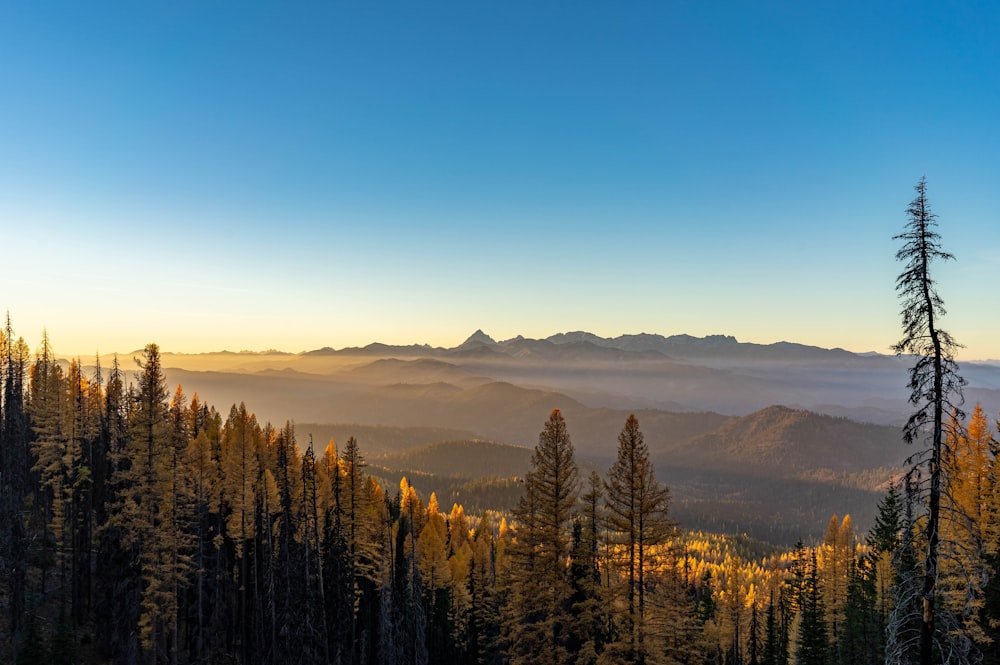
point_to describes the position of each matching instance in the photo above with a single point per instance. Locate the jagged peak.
(479, 337)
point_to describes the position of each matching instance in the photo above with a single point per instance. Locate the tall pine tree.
(538, 613)
(935, 390)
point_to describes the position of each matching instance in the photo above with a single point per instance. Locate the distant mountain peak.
(578, 336)
(478, 337)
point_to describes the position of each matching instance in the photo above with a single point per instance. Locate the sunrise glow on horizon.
(336, 175)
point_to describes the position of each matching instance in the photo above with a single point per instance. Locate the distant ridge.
(779, 440)
(682, 346)
(376, 349)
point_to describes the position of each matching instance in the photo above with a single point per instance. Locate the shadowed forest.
(143, 526)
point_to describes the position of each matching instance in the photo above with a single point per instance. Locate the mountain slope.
(779, 441)
(465, 459)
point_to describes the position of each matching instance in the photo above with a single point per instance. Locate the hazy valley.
(733, 428)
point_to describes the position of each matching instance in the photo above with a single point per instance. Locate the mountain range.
(735, 428)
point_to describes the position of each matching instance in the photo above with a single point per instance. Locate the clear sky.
(235, 175)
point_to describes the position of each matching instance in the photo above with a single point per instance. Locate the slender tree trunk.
(934, 506)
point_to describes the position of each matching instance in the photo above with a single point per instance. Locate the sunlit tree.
(637, 513)
(538, 603)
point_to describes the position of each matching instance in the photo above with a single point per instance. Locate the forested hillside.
(141, 524)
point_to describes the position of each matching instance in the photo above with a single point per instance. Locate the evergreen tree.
(905, 627)
(861, 641)
(772, 639)
(588, 630)
(753, 641)
(204, 474)
(883, 542)
(288, 582)
(706, 606)
(85, 426)
(53, 457)
(313, 624)
(241, 443)
(935, 389)
(585, 625)
(637, 508)
(963, 566)
(838, 554)
(990, 612)
(118, 575)
(541, 588)
(150, 508)
(339, 587)
(435, 573)
(14, 475)
(482, 644)
(812, 645)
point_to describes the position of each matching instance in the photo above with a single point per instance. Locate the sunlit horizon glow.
(337, 175)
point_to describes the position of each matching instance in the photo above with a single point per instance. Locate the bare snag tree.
(935, 390)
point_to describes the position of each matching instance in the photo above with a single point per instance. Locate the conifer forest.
(141, 525)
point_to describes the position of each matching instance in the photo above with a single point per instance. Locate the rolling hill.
(735, 428)
(783, 442)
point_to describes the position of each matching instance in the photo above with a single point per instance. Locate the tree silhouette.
(637, 511)
(541, 588)
(934, 382)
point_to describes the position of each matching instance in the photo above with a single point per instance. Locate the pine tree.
(435, 573)
(962, 561)
(812, 645)
(990, 612)
(935, 389)
(541, 590)
(150, 507)
(412, 638)
(753, 641)
(287, 582)
(339, 591)
(582, 606)
(883, 542)
(312, 627)
(678, 636)
(118, 575)
(861, 640)
(482, 642)
(905, 627)
(14, 471)
(53, 457)
(637, 508)
(204, 474)
(969, 467)
(588, 630)
(241, 444)
(838, 554)
(85, 427)
(772, 639)
(459, 565)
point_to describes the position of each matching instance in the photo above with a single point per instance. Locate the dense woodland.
(143, 526)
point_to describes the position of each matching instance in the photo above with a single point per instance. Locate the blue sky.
(213, 175)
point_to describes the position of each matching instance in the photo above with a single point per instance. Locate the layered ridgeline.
(735, 478)
(677, 373)
(144, 524)
(708, 407)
